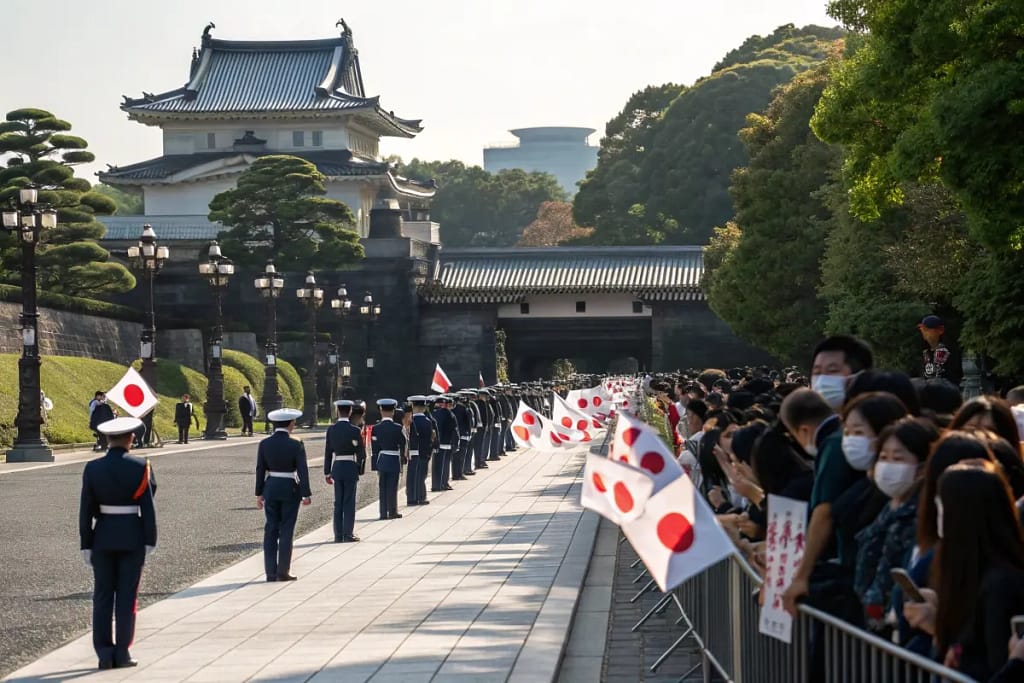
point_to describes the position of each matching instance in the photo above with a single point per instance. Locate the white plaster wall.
(189, 137)
(564, 306)
(352, 194)
(184, 199)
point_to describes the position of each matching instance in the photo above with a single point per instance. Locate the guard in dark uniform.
(421, 443)
(462, 460)
(446, 435)
(486, 424)
(512, 404)
(344, 461)
(282, 483)
(388, 444)
(496, 451)
(117, 526)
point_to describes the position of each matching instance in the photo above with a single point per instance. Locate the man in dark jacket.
(101, 412)
(184, 414)
(248, 410)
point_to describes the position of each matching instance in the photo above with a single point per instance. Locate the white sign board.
(784, 546)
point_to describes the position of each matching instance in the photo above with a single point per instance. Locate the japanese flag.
(677, 536)
(640, 445)
(440, 382)
(614, 490)
(594, 402)
(480, 379)
(133, 394)
(573, 423)
(528, 426)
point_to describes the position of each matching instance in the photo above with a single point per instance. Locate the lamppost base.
(34, 452)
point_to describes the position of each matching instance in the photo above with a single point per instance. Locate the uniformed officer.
(282, 483)
(421, 443)
(117, 526)
(464, 419)
(496, 451)
(344, 461)
(512, 402)
(486, 425)
(388, 444)
(447, 433)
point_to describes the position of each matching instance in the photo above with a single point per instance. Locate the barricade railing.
(719, 613)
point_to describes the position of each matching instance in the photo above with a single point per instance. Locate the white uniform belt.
(414, 452)
(344, 458)
(285, 475)
(390, 453)
(465, 438)
(120, 509)
(497, 424)
(445, 447)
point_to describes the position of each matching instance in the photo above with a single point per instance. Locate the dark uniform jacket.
(484, 410)
(279, 452)
(117, 479)
(100, 414)
(184, 413)
(344, 438)
(447, 432)
(463, 419)
(387, 436)
(421, 436)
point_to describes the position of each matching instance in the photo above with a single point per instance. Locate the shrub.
(74, 304)
(290, 384)
(250, 367)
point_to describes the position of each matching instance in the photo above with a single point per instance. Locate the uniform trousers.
(467, 454)
(117, 574)
(344, 506)
(438, 470)
(387, 486)
(416, 482)
(183, 433)
(458, 458)
(278, 535)
(495, 449)
(481, 444)
(506, 433)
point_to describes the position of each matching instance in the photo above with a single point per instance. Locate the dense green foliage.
(278, 210)
(763, 276)
(289, 384)
(934, 90)
(482, 209)
(39, 151)
(126, 203)
(75, 304)
(665, 164)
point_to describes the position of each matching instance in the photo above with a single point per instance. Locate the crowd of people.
(915, 496)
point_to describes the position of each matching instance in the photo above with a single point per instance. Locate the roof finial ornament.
(206, 31)
(345, 30)
(194, 66)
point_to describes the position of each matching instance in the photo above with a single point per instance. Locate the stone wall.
(690, 335)
(461, 339)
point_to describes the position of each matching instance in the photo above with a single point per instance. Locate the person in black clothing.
(184, 414)
(447, 433)
(248, 410)
(421, 444)
(282, 482)
(101, 412)
(464, 421)
(344, 461)
(117, 529)
(388, 443)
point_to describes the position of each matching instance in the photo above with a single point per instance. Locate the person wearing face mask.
(835, 359)
(887, 542)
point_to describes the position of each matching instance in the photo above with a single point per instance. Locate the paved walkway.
(481, 585)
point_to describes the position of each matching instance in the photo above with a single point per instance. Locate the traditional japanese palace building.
(246, 99)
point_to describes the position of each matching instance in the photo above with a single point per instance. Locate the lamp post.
(341, 306)
(217, 271)
(313, 297)
(332, 360)
(346, 372)
(24, 220)
(147, 258)
(370, 311)
(269, 286)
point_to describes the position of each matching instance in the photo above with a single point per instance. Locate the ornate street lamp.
(313, 297)
(370, 311)
(148, 259)
(269, 286)
(217, 271)
(332, 360)
(25, 218)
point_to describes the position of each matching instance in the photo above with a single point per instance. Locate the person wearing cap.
(463, 426)
(482, 443)
(388, 445)
(344, 461)
(282, 483)
(421, 444)
(932, 327)
(117, 529)
(447, 434)
(495, 451)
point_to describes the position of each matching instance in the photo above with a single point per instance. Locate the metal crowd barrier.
(719, 612)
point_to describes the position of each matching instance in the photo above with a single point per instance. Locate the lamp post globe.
(147, 258)
(269, 285)
(217, 272)
(311, 296)
(23, 220)
(370, 311)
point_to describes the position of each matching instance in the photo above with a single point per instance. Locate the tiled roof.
(508, 275)
(252, 77)
(167, 228)
(331, 163)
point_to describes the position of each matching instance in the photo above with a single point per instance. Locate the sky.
(471, 69)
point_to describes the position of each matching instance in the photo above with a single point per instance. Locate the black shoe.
(350, 539)
(126, 664)
(460, 478)
(271, 579)
(287, 577)
(470, 474)
(342, 540)
(436, 490)
(397, 515)
(382, 518)
(483, 466)
(105, 664)
(448, 488)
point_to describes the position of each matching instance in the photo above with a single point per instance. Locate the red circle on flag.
(597, 425)
(597, 400)
(567, 422)
(580, 424)
(582, 403)
(522, 432)
(624, 458)
(652, 462)
(675, 532)
(133, 395)
(555, 440)
(598, 482)
(631, 435)
(529, 418)
(623, 498)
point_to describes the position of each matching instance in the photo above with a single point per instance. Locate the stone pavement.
(481, 585)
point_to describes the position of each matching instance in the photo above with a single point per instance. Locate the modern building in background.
(562, 151)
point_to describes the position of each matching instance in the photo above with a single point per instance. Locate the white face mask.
(831, 387)
(895, 478)
(859, 452)
(811, 450)
(938, 516)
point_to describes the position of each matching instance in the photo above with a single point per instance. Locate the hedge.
(290, 384)
(250, 367)
(74, 304)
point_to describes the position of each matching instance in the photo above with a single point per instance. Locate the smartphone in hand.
(910, 589)
(1017, 625)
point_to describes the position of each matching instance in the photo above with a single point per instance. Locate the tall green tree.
(478, 208)
(765, 282)
(126, 203)
(278, 210)
(40, 151)
(933, 90)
